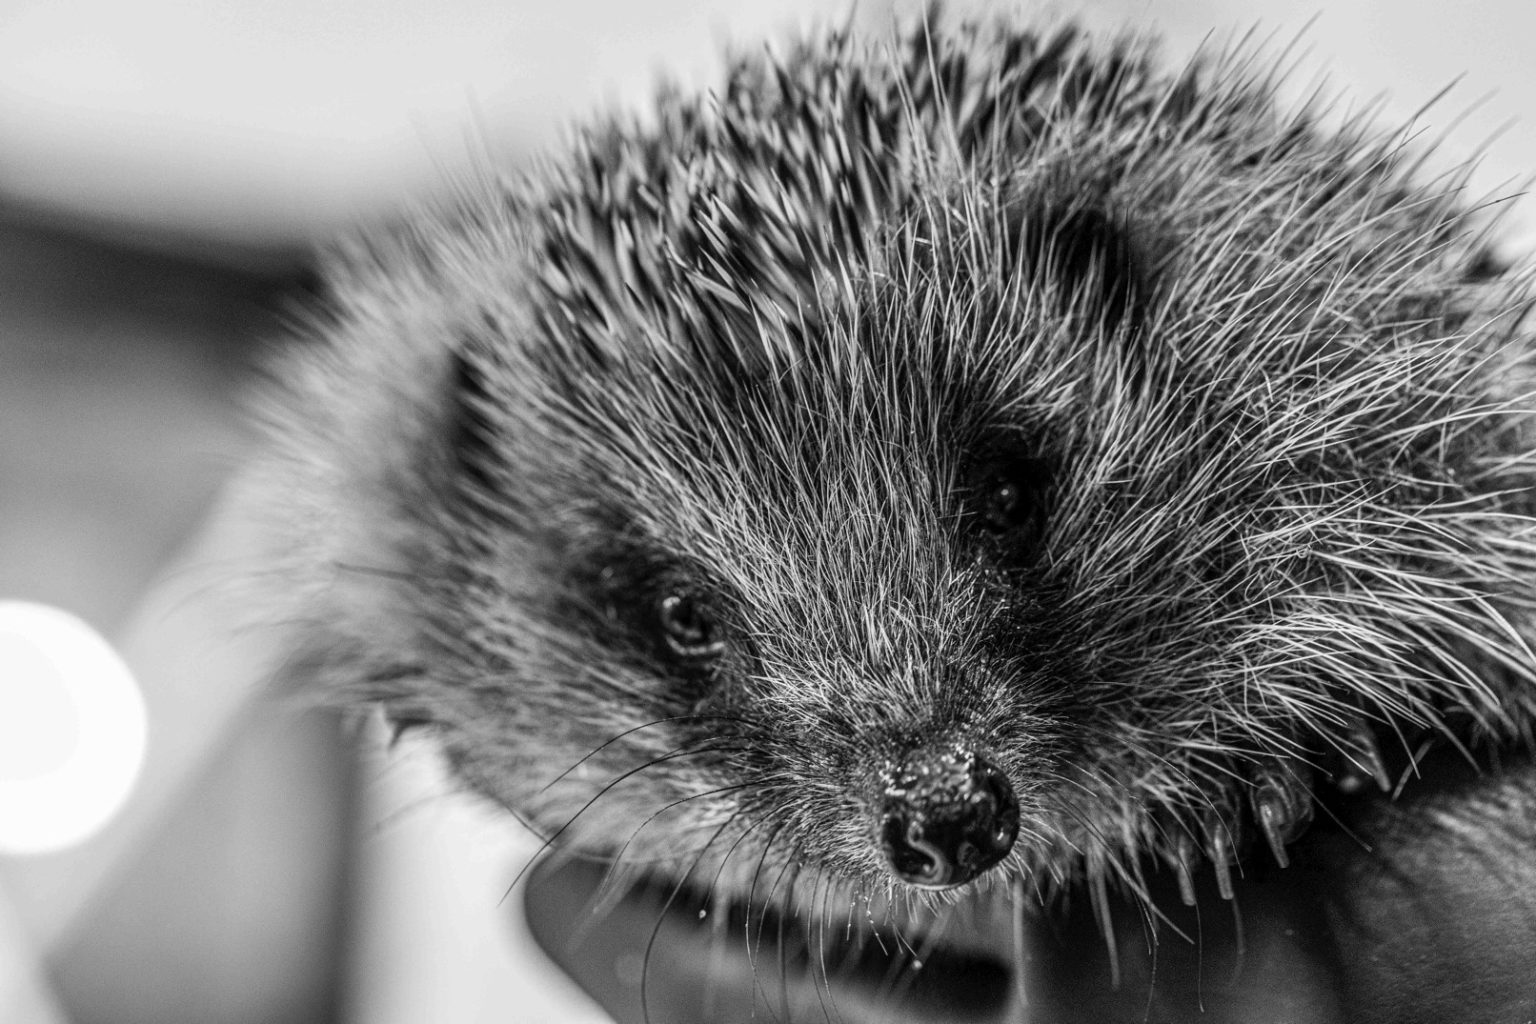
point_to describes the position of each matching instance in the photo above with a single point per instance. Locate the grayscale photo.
(693, 512)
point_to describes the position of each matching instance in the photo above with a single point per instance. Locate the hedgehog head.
(918, 485)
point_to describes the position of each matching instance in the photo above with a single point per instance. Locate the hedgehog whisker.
(787, 876)
(816, 938)
(719, 790)
(1129, 880)
(630, 732)
(725, 858)
(554, 837)
(762, 860)
(650, 944)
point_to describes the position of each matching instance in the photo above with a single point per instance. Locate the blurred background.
(165, 168)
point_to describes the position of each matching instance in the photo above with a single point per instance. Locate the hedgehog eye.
(1010, 495)
(688, 628)
(1006, 502)
(1006, 505)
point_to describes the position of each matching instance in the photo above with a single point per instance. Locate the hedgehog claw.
(1220, 849)
(1184, 853)
(1271, 818)
(1282, 804)
(1362, 761)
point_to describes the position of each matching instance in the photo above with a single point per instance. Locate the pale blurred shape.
(25, 997)
(73, 733)
(441, 933)
(282, 118)
(275, 120)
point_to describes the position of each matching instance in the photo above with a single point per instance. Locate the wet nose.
(946, 818)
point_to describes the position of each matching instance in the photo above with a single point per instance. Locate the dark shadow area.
(707, 965)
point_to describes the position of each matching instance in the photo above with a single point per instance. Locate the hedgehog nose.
(946, 818)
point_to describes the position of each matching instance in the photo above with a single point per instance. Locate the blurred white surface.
(281, 118)
(441, 936)
(278, 119)
(25, 997)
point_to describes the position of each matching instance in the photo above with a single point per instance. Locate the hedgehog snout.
(945, 818)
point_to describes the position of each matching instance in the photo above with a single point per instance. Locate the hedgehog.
(928, 471)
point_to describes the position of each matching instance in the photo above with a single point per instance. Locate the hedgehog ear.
(1085, 251)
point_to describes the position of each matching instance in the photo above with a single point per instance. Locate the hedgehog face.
(919, 486)
(802, 605)
(959, 573)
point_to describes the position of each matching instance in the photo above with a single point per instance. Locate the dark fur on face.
(988, 392)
